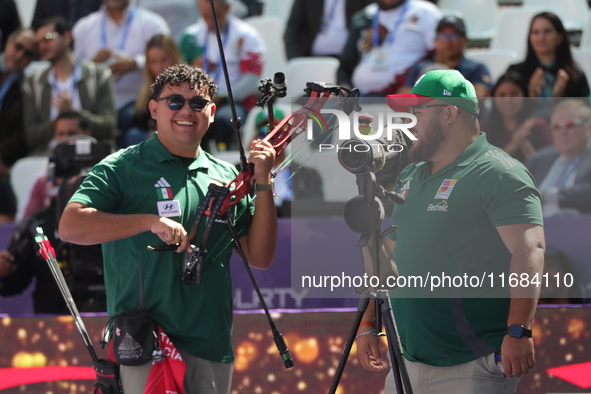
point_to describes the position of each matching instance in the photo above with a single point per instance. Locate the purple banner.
(568, 233)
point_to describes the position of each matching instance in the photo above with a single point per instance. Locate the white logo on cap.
(419, 80)
(446, 92)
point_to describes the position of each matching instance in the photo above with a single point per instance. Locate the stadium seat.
(583, 59)
(23, 176)
(586, 34)
(301, 70)
(178, 14)
(25, 10)
(572, 13)
(280, 9)
(480, 16)
(512, 30)
(497, 61)
(269, 27)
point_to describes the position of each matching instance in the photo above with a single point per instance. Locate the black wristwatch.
(517, 331)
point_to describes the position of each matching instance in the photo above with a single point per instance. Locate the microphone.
(279, 85)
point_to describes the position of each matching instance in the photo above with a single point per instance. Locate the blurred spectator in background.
(563, 171)
(294, 181)
(70, 10)
(385, 40)
(81, 265)
(117, 36)
(239, 8)
(319, 27)
(559, 270)
(244, 50)
(549, 67)
(21, 49)
(8, 203)
(511, 124)
(450, 42)
(178, 14)
(254, 7)
(9, 21)
(66, 85)
(161, 53)
(67, 124)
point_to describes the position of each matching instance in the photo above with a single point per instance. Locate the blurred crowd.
(99, 58)
(85, 67)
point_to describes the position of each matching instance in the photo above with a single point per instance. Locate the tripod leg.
(394, 347)
(361, 308)
(277, 337)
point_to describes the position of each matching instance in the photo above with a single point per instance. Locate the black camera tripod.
(364, 214)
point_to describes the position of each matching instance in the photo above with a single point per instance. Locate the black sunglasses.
(176, 102)
(28, 53)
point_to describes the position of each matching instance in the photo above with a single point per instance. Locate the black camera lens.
(355, 155)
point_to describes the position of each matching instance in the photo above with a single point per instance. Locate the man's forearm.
(262, 236)
(524, 299)
(83, 225)
(522, 311)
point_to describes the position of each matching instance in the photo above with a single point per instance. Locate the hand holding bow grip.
(290, 127)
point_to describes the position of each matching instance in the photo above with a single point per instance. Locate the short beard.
(431, 143)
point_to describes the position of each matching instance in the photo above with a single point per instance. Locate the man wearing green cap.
(471, 211)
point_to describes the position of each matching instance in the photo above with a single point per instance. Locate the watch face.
(516, 331)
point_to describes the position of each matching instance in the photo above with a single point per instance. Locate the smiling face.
(181, 131)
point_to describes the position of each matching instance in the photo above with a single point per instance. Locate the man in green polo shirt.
(149, 194)
(471, 212)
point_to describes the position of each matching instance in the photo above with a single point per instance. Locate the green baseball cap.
(445, 85)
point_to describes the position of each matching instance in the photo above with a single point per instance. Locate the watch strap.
(518, 331)
(265, 187)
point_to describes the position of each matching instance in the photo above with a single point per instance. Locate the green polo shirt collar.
(473, 151)
(162, 154)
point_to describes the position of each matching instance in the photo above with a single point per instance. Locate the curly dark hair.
(179, 73)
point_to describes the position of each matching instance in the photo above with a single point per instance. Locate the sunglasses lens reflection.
(177, 102)
(198, 103)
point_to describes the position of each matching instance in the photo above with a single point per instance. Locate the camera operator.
(67, 124)
(81, 265)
